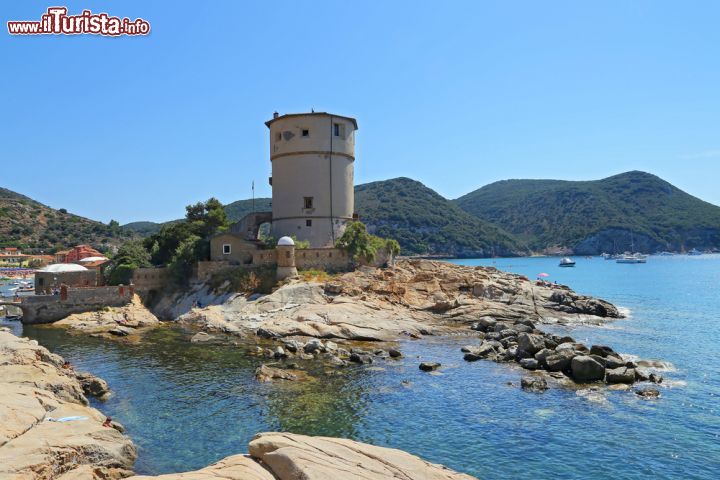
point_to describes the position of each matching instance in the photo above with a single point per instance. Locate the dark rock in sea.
(394, 353)
(560, 361)
(292, 346)
(586, 369)
(599, 359)
(360, 358)
(508, 332)
(520, 354)
(602, 350)
(620, 375)
(614, 361)
(313, 346)
(522, 328)
(484, 324)
(429, 366)
(531, 343)
(655, 378)
(493, 336)
(577, 347)
(92, 385)
(279, 353)
(648, 393)
(525, 321)
(533, 384)
(471, 357)
(542, 355)
(529, 364)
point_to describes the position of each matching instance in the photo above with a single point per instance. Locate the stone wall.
(322, 259)
(206, 269)
(145, 279)
(46, 281)
(50, 308)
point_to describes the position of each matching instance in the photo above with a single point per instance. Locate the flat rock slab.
(236, 467)
(286, 456)
(292, 457)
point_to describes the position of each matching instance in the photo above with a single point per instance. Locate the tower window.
(336, 129)
(308, 202)
(278, 136)
(308, 223)
(226, 249)
(305, 133)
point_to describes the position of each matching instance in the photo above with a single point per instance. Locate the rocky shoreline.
(47, 429)
(557, 357)
(415, 298)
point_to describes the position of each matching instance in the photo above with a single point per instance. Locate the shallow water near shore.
(187, 405)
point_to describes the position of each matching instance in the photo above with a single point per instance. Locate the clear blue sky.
(454, 94)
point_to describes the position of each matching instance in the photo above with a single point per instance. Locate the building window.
(308, 202)
(226, 249)
(336, 129)
(278, 136)
(308, 223)
(305, 133)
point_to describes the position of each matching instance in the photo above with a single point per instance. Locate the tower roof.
(326, 114)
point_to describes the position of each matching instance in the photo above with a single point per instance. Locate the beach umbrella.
(543, 274)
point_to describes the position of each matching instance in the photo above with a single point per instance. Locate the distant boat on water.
(632, 258)
(567, 262)
(694, 252)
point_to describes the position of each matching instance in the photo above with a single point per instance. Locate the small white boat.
(632, 258)
(567, 262)
(694, 252)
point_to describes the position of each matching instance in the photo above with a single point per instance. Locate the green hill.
(601, 215)
(426, 223)
(237, 210)
(29, 224)
(419, 218)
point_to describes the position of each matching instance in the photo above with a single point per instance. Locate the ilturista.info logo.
(57, 22)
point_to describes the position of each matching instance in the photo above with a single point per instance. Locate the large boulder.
(560, 361)
(620, 375)
(602, 350)
(530, 343)
(294, 457)
(586, 369)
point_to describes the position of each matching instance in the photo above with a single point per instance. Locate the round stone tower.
(286, 258)
(312, 156)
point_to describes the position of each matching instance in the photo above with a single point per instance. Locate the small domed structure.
(63, 268)
(286, 242)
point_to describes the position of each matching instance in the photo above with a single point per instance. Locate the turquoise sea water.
(187, 405)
